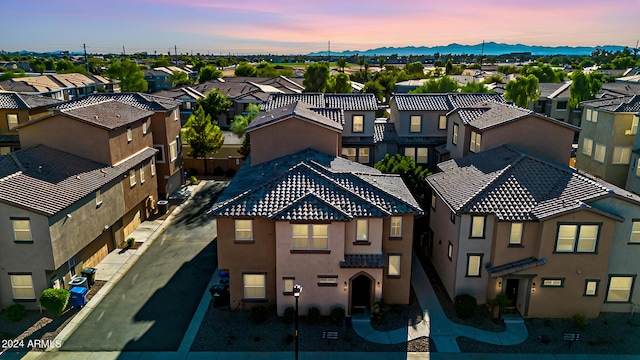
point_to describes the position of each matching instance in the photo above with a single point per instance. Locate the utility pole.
(86, 59)
(175, 47)
(123, 52)
(329, 51)
(482, 55)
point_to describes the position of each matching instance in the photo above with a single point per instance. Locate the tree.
(37, 65)
(245, 69)
(414, 69)
(522, 90)
(62, 65)
(413, 175)
(178, 78)
(209, 73)
(583, 87)
(442, 85)
(240, 123)
(475, 87)
(215, 103)
(130, 76)
(342, 63)
(339, 84)
(361, 62)
(374, 87)
(495, 78)
(316, 77)
(203, 136)
(448, 68)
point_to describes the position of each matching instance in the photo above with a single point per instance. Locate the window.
(477, 226)
(450, 251)
(358, 123)
(588, 114)
(179, 144)
(515, 238)
(153, 166)
(142, 174)
(12, 121)
(601, 151)
(475, 142)
(421, 157)
(638, 169)
(410, 152)
(363, 155)
(396, 226)
(21, 229)
(98, 197)
(144, 127)
(173, 150)
(288, 285)
(416, 123)
(4, 150)
(434, 201)
(129, 134)
(22, 286)
(621, 155)
(362, 229)
(393, 268)
(442, 122)
(160, 153)
(553, 282)
(452, 217)
(473, 265)
(577, 238)
(132, 177)
(72, 267)
(620, 288)
(635, 231)
(319, 237)
(634, 125)
(349, 153)
(327, 280)
(591, 287)
(244, 230)
(562, 105)
(454, 138)
(176, 115)
(587, 146)
(254, 286)
(594, 116)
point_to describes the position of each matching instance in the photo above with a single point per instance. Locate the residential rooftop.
(139, 100)
(441, 102)
(346, 102)
(300, 110)
(622, 104)
(17, 101)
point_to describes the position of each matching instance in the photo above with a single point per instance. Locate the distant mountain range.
(490, 48)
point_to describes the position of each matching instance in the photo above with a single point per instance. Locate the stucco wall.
(374, 237)
(397, 290)
(121, 148)
(444, 231)
(456, 150)
(369, 119)
(476, 286)
(429, 123)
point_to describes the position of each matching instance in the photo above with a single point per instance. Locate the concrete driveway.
(151, 307)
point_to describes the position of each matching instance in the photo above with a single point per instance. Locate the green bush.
(465, 306)
(313, 316)
(15, 312)
(289, 315)
(218, 171)
(193, 179)
(54, 300)
(337, 315)
(579, 321)
(131, 241)
(258, 314)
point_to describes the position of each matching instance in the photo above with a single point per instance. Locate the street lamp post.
(297, 289)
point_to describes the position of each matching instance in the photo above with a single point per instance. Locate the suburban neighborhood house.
(61, 86)
(298, 213)
(554, 240)
(609, 128)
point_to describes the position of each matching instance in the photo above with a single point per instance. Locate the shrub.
(579, 321)
(380, 306)
(218, 171)
(465, 306)
(313, 316)
(131, 241)
(54, 300)
(337, 315)
(258, 314)
(15, 312)
(289, 315)
(193, 179)
(229, 173)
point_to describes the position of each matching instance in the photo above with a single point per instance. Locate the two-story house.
(61, 86)
(554, 240)
(297, 213)
(16, 109)
(609, 128)
(633, 176)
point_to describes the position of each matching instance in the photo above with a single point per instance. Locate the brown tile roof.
(46, 181)
(363, 261)
(346, 102)
(514, 266)
(441, 102)
(299, 110)
(109, 115)
(139, 100)
(488, 114)
(25, 101)
(622, 104)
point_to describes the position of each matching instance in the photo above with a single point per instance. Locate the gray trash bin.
(79, 281)
(163, 205)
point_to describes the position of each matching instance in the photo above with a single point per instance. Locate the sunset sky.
(298, 27)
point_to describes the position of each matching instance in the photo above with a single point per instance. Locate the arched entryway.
(361, 293)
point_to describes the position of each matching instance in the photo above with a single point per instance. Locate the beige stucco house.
(16, 109)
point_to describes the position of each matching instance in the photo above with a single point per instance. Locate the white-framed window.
(319, 239)
(450, 251)
(601, 152)
(577, 237)
(142, 174)
(454, 138)
(635, 231)
(178, 144)
(393, 268)
(22, 286)
(476, 139)
(416, 123)
(442, 122)
(349, 153)
(587, 146)
(160, 153)
(254, 286)
(12, 121)
(473, 265)
(173, 151)
(132, 177)
(620, 288)
(145, 127)
(327, 280)
(129, 134)
(153, 166)
(288, 285)
(21, 229)
(515, 237)
(587, 114)
(244, 229)
(362, 229)
(594, 116)
(621, 155)
(591, 287)
(477, 226)
(176, 115)
(358, 123)
(396, 226)
(363, 155)
(634, 125)
(553, 282)
(98, 197)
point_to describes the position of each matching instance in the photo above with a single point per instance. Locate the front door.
(360, 294)
(512, 290)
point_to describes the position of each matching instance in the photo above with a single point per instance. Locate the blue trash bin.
(78, 296)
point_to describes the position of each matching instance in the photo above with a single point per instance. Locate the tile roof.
(488, 114)
(514, 266)
(620, 88)
(25, 101)
(363, 261)
(309, 185)
(515, 186)
(139, 100)
(275, 101)
(46, 181)
(299, 110)
(441, 102)
(623, 104)
(346, 102)
(357, 140)
(546, 89)
(9, 138)
(562, 92)
(384, 131)
(109, 114)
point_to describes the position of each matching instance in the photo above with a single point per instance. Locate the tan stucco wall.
(165, 128)
(121, 148)
(457, 150)
(476, 286)
(134, 195)
(503, 253)
(397, 290)
(374, 234)
(276, 140)
(444, 231)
